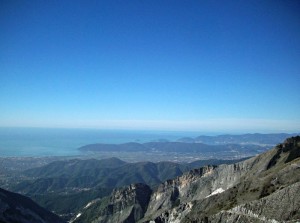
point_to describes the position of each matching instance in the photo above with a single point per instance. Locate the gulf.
(65, 142)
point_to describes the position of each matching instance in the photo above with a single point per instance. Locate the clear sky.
(152, 64)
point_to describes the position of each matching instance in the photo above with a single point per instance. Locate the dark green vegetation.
(67, 203)
(74, 174)
(15, 208)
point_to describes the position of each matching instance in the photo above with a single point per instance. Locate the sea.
(26, 142)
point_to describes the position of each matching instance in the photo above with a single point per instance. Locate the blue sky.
(159, 65)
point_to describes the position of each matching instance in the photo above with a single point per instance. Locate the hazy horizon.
(179, 133)
(151, 65)
(226, 126)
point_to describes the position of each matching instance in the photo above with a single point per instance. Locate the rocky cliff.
(249, 191)
(127, 204)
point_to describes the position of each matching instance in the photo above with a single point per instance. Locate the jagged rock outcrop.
(196, 185)
(249, 191)
(15, 208)
(173, 192)
(125, 205)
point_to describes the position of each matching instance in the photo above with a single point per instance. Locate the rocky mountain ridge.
(127, 204)
(248, 191)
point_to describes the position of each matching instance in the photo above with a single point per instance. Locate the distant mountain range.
(180, 147)
(245, 139)
(229, 146)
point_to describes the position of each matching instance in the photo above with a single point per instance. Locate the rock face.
(267, 209)
(15, 208)
(124, 205)
(261, 189)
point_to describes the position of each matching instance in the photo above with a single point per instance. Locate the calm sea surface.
(65, 142)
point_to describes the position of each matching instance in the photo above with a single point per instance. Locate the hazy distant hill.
(102, 173)
(255, 139)
(181, 147)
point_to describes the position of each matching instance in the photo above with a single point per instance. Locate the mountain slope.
(229, 193)
(15, 208)
(74, 167)
(243, 182)
(75, 174)
(127, 204)
(70, 175)
(266, 209)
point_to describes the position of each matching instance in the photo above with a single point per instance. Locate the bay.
(19, 142)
